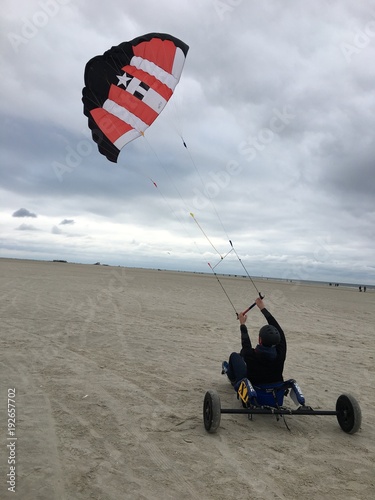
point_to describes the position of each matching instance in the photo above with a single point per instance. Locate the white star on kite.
(123, 79)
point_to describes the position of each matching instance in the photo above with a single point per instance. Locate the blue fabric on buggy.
(266, 393)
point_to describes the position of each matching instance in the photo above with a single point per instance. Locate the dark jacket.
(260, 368)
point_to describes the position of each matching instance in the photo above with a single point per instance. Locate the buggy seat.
(273, 394)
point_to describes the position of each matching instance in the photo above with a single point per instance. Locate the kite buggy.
(268, 399)
(252, 373)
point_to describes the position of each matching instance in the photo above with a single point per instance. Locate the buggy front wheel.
(349, 413)
(211, 411)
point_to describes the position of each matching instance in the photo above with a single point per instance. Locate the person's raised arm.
(245, 339)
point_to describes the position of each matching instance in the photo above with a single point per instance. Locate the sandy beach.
(110, 366)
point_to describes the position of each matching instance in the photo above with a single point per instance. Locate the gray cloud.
(56, 230)
(26, 227)
(23, 212)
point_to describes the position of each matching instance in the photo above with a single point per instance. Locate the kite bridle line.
(248, 275)
(205, 235)
(221, 259)
(225, 292)
(222, 225)
(201, 179)
(222, 287)
(251, 279)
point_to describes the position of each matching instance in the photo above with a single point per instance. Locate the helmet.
(269, 335)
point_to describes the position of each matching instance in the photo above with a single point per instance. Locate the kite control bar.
(253, 305)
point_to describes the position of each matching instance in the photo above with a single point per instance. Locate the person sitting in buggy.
(260, 370)
(257, 376)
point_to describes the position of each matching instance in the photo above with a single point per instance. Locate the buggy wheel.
(349, 413)
(211, 411)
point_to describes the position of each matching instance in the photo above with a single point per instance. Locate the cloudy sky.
(276, 104)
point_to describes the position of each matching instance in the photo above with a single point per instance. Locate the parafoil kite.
(128, 86)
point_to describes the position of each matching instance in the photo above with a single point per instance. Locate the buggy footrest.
(296, 393)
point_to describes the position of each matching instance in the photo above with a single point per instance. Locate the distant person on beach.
(264, 363)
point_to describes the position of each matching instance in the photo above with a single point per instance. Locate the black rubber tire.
(349, 413)
(211, 411)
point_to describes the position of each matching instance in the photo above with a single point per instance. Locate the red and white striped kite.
(128, 86)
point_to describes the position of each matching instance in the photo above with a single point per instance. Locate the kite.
(128, 86)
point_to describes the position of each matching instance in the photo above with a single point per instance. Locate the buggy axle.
(277, 411)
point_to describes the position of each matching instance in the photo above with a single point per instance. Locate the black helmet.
(269, 335)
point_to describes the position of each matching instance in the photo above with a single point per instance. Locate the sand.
(110, 366)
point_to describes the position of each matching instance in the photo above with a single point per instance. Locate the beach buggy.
(252, 374)
(269, 399)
